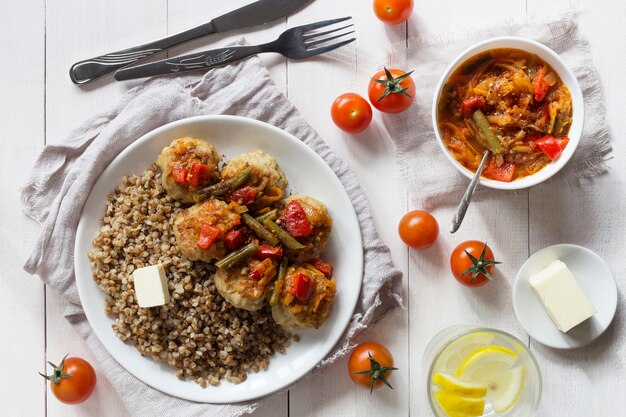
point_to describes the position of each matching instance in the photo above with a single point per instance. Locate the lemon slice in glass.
(491, 366)
(455, 406)
(453, 385)
(453, 356)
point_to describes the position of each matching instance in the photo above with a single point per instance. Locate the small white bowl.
(549, 56)
(596, 280)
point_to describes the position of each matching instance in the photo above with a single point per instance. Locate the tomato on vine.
(472, 263)
(370, 365)
(73, 381)
(391, 90)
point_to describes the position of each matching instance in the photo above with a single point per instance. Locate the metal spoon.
(467, 197)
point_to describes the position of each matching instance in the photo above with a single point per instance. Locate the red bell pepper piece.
(540, 85)
(260, 270)
(295, 220)
(562, 141)
(234, 239)
(208, 235)
(179, 174)
(301, 287)
(470, 105)
(324, 267)
(267, 251)
(505, 172)
(198, 174)
(531, 139)
(244, 195)
(549, 146)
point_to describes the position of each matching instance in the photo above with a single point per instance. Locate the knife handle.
(90, 69)
(207, 59)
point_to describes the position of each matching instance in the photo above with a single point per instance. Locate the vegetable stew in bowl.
(510, 102)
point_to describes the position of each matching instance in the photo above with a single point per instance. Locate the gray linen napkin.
(66, 171)
(432, 180)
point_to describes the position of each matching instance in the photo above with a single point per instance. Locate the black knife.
(255, 14)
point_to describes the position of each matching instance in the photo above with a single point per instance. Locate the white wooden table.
(41, 39)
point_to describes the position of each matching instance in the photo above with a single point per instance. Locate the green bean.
(237, 256)
(259, 230)
(282, 272)
(483, 125)
(272, 214)
(224, 187)
(289, 241)
(558, 126)
(471, 66)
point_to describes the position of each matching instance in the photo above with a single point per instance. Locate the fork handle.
(207, 59)
(90, 69)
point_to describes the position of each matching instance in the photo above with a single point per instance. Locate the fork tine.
(330, 38)
(317, 34)
(317, 25)
(328, 48)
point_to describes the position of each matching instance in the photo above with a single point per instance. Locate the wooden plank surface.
(44, 105)
(591, 215)
(436, 300)
(22, 323)
(75, 32)
(312, 86)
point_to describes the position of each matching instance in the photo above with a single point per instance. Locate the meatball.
(187, 164)
(305, 297)
(267, 182)
(245, 286)
(314, 235)
(191, 223)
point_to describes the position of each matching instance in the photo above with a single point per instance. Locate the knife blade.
(258, 13)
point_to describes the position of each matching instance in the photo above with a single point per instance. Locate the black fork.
(296, 43)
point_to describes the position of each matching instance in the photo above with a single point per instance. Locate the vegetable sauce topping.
(510, 102)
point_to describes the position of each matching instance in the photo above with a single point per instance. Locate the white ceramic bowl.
(549, 56)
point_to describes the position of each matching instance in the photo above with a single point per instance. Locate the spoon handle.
(467, 197)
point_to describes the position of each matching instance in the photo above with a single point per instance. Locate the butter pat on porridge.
(151, 286)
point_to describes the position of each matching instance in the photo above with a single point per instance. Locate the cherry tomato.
(267, 251)
(295, 220)
(208, 235)
(418, 229)
(179, 174)
(391, 90)
(351, 113)
(474, 272)
(245, 195)
(234, 239)
(370, 365)
(324, 267)
(301, 287)
(73, 381)
(198, 174)
(393, 12)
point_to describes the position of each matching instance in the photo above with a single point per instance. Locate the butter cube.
(561, 296)
(151, 286)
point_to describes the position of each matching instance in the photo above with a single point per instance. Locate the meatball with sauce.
(200, 229)
(303, 299)
(265, 185)
(188, 164)
(307, 220)
(245, 286)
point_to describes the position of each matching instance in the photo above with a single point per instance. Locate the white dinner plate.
(308, 174)
(596, 280)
